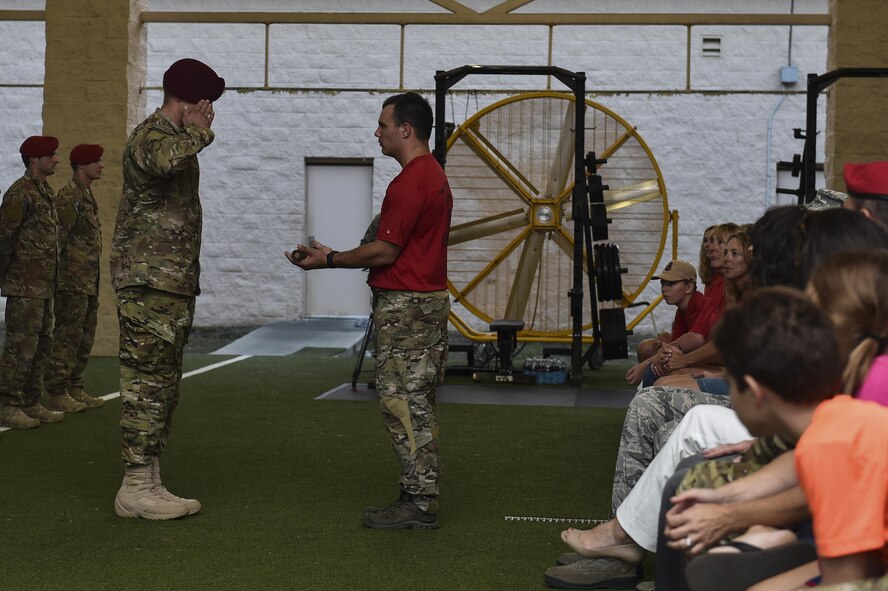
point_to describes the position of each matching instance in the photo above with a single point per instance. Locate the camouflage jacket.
(81, 240)
(156, 239)
(29, 240)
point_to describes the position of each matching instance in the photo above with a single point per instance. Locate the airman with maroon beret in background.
(76, 299)
(29, 258)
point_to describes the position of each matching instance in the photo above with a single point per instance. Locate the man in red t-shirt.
(678, 284)
(408, 275)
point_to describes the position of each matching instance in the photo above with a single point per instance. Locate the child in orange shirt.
(783, 361)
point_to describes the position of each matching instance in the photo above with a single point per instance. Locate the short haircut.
(412, 108)
(26, 160)
(877, 207)
(784, 341)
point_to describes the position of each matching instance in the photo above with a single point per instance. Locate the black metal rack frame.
(576, 82)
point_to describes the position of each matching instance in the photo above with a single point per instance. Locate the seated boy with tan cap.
(678, 284)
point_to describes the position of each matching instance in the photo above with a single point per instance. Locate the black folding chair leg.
(360, 361)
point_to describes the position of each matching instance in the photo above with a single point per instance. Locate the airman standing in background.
(29, 258)
(76, 299)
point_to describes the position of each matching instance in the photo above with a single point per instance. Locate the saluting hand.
(201, 115)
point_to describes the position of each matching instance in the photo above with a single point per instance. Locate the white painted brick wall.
(623, 58)
(711, 148)
(21, 62)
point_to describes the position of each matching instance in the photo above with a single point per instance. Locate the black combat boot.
(404, 513)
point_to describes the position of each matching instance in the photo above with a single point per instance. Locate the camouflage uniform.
(155, 269)
(76, 300)
(650, 419)
(411, 330)
(716, 473)
(29, 256)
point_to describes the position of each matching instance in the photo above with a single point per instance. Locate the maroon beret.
(868, 180)
(86, 153)
(193, 81)
(38, 146)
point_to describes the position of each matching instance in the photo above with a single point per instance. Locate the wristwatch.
(330, 263)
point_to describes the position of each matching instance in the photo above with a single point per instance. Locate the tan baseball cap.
(678, 271)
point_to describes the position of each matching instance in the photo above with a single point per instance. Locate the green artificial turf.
(284, 479)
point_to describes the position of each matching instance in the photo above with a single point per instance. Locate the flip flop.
(737, 571)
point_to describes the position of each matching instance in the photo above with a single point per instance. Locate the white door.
(338, 208)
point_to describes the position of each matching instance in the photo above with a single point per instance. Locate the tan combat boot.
(39, 412)
(140, 497)
(14, 418)
(80, 395)
(63, 403)
(193, 505)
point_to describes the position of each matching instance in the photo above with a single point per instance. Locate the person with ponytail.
(852, 287)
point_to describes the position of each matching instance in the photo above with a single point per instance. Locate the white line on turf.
(194, 372)
(552, 519)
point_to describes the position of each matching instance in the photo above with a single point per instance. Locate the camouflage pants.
(651, 417)
(29, 324)
(411, 330)
(154, 327)
(75, 331)
(716, 473)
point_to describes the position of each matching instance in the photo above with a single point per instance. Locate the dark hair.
(877, 207)
(413, 109)
(783, 340)
(825, 232)
(26, 160)
(774, 244)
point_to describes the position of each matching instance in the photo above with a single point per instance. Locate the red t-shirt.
(684, 319)
(842, 463)
(416, 216)
(713, 308)
(715, 285)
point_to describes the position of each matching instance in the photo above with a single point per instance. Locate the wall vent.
(711, 47)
